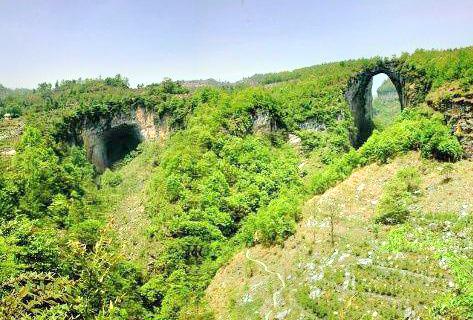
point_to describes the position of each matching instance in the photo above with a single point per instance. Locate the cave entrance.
(359, 95)
(119, 142)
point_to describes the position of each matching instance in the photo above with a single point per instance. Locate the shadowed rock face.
(358, 95)
(118, 142)
(109, 139)
(263, 121)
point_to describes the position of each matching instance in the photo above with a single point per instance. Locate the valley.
(287, 195)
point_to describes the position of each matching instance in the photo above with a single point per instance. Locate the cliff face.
(109, 139)
(457, 107)
(460, 117)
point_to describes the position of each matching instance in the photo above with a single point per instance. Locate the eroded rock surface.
(458, 112)
(263, 122)
(108, 139)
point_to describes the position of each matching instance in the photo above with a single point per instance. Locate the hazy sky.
(224, 39)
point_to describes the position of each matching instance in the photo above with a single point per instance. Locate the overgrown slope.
(342, 264)
(228, 177)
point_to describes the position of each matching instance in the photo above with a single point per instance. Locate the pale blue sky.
(224, 39)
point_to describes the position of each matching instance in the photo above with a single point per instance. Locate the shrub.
(274, 223)
(393, 207)
(111, 178)
(87, 232)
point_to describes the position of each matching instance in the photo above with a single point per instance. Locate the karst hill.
(287, 195)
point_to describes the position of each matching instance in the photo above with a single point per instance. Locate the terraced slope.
(370, 271)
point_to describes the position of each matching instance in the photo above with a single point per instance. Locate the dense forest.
(217, 184)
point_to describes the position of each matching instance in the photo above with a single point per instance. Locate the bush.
(274, 223)
(87, 232)
(393, 207)
(414, 131)
(111, 178)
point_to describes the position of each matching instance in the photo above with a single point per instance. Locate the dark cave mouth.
(119, 142)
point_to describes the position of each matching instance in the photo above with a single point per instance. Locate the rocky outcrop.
(312, 125)
(457, 108)
(460, 117)
(263, 122)
(109, 138)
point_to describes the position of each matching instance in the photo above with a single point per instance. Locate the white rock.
(443, 263)
(316, 277)
(343, 256)
(247, 298)
(464, 210)
(346, 281)
(365, 262)
(314, 294)
(310, 266)
(283, 314)
(293, 139)
(409, 313)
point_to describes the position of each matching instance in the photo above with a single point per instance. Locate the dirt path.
(277, 293)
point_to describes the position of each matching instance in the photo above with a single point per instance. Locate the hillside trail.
(125, 206)
(277, 293)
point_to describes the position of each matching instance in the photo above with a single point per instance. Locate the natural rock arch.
(358, 95)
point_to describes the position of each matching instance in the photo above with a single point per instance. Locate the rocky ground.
(342, 265)
(10, 131)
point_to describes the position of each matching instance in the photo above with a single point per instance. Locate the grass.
(123, 191)
(420, 268)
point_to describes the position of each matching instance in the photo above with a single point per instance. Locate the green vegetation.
(393, 207)
(386, 105)
(360, 268)
(452, 252)
(416, 129)
(11, 101)
(216, 185)
(443, 66)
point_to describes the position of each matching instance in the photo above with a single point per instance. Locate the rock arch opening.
(360, 99)
(385, 101)
(109, 138)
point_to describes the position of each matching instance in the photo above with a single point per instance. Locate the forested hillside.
(386, 106)
(239, 164)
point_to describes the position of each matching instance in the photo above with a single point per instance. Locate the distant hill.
(4, 91)
(194, 84)
(387, 88)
